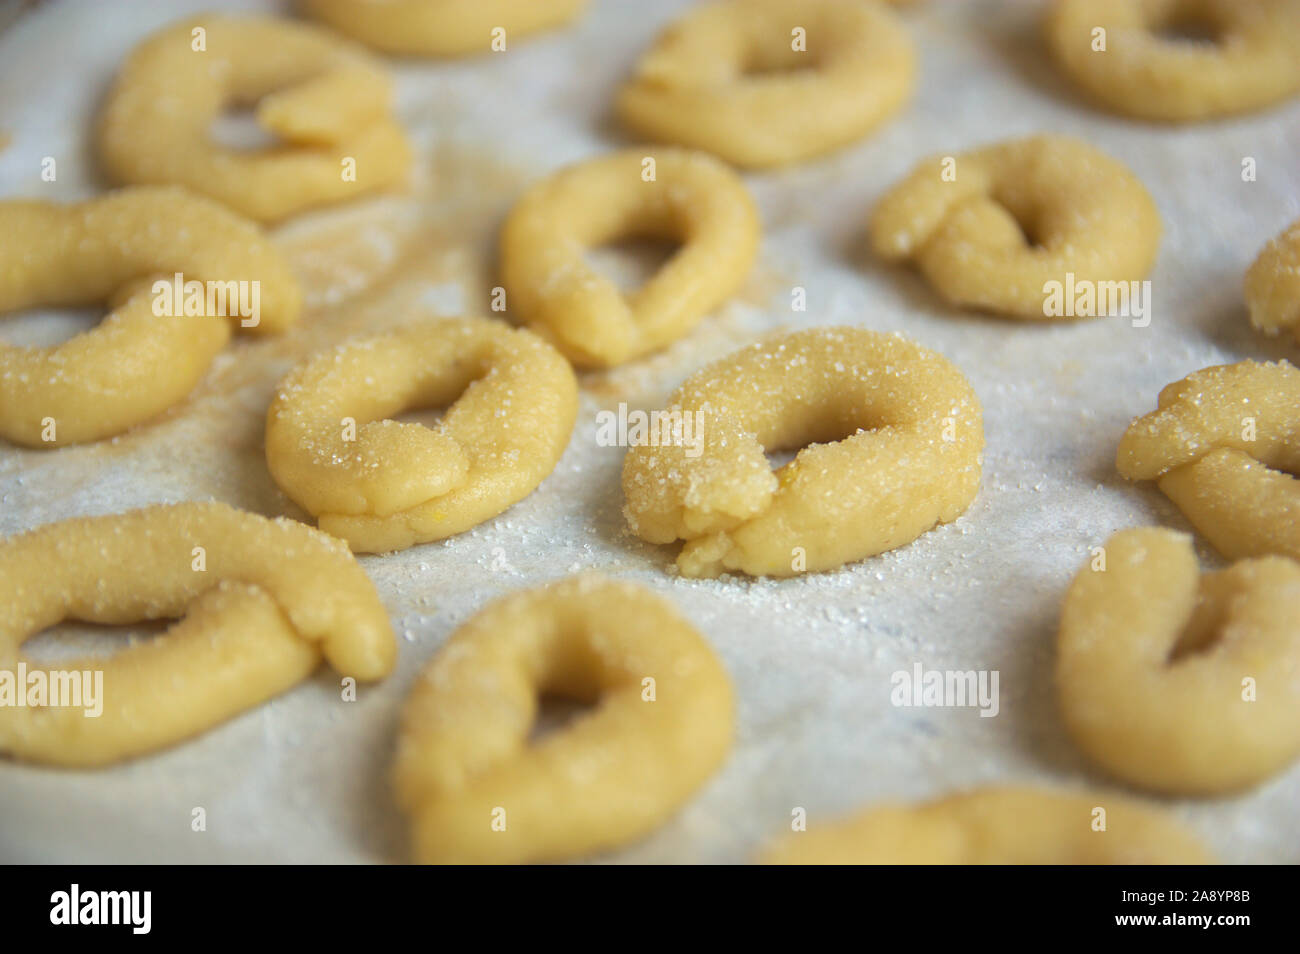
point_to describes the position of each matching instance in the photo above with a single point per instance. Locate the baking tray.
(304, 777)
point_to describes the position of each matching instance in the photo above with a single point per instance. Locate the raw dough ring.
(1273, 284)
(398, 484)
(325, 99)
(133, 364)
(903, 434)
(693, 199)
(997, 826)
(273, 598)
(1239, 493)
(1252, 64)
(439, 27)
(1085, 213)
(610, 776)
(1153, 656)
(691, 88)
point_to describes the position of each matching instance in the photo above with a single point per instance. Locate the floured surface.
(305, 777)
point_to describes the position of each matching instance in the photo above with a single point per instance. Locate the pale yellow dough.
(693, 199)
(990, 228)
(1273, 284)
(134, 364)
(1178, 682)
(326, 101)
(271, 597)
(440, 27)
(661, 723)
(998, 826)
(1253, 62)
(1224, 444)
(894, 434)
(385, 485)
(705, 84)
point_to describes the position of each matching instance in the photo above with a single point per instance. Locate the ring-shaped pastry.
(139, 360)
(1273, 284)
(1223, 445)
(1176, 681)
(734, 78)
(998, 826)
(260, 601)
(893, 436)
(325, 100)
(1251, 62)
(439, 27)
(692, 199)
(662, 721)
(993, 228)
(385, 485)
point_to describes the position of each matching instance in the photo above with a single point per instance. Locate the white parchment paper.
(304, 778)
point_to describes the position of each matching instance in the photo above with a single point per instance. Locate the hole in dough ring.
(964, 223)
(134, 364)
(1223, 445)
(326, 100)
(1153, 658)
(693, 199)
(440, 27)
(272, 598)
(911, 458)
(385, 485)
(997, 826)
(1253, 63)
(691, 88)
(1273, 284)
(464, 759)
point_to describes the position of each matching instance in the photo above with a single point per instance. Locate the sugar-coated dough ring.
(896, 435)
(691, 88)
(1252, 64)
(1223, 444)
(661, 723)
(271, 598)
(326, 100)
(1153, 660)
(1273, 284)
(991, 229)
(134, 364)
(396, 484)
(693, 199)
(998, 826)
(439, 27)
